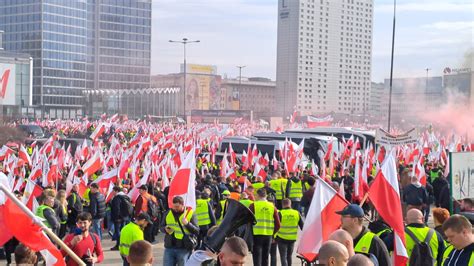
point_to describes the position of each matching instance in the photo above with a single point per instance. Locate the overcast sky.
(430, 34)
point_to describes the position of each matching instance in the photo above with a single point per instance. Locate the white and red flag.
(98, 132)
(385, 196)
(183, 183)
(313, 122)
(260, 171)
(321, 219)
(106, 179)
(23, 154)
(93, 164)
(14, 222)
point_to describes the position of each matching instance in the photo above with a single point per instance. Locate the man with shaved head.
(343, 237)
(333, 253)
(416, 230)
(360, 259)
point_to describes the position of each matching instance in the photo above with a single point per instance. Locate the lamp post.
(240, 80)
(391, 66)
(427, 77)
(21, 91)
(184, 42)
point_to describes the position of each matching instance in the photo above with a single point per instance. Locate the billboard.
(7, 84)
(462, 175)
(203, 90)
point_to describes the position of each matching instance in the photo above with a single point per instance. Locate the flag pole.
(45, 229)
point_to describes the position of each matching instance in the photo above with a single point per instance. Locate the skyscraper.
(324, 51)
(79, 44)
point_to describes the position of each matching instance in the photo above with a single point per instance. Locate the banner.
(382, 137)
(462, 175)
(313, 122)
(7, 84)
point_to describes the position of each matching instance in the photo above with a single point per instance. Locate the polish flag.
(384, 195)
(32, 191)
(360, 185)
(274, 163)
(321, 220)
(23, 154)
(231, 174)
(92, 165)
(15, 222)
(108, 196)
(36, 172)
(106, 179)
(233, 156)
(4, 152)
(133, 194)
(245, 165)
(420, 173)
(260, 171)
(98, 132)
(183, 183)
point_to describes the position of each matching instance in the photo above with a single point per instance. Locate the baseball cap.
(226, 192)
(144, 216)
(353, 210)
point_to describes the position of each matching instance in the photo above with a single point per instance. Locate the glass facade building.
(78, 45)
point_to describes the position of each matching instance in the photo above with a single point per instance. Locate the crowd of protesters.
(81, 212)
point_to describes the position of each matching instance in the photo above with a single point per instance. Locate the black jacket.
(52, 219)
(459, 257)
(415, 195)
(97, 205)
(377, 248)
(170, 240)
(115, 207)
(74, 207)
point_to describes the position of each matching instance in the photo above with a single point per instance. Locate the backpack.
(421, 253)
(126, 207)
(153, 209)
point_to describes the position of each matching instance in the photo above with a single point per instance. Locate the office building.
(15, 82)
(79, 44)
(255, 94)
(324, 50)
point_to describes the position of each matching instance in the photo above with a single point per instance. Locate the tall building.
(324, 51)
(378, 102)
(79, 44)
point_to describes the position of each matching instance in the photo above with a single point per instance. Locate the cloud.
(451, 25)
(432, 6)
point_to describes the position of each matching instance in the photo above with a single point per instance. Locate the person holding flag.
(177, 223)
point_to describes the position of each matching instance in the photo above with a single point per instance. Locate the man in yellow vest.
(257, 185)
(416, 229)
(294, 190)
(288, 233)
(244, 199)
(276, 183)
(178, 221)
(46, 212)
(458, 231)
(268, 223)
(221, 206)
(132, 232)
(204, 214)
(365, 241)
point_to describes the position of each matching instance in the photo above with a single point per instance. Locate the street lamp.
(391, 66)
(184, 42)
(240, 80)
